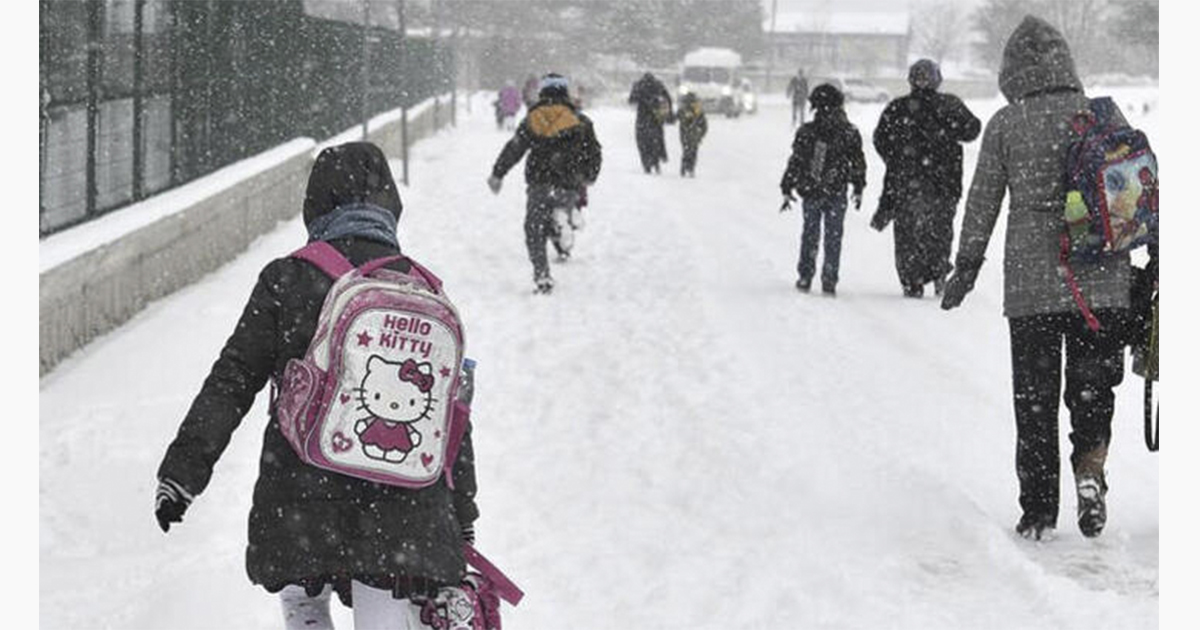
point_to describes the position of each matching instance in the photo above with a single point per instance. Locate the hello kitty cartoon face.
(397, 391)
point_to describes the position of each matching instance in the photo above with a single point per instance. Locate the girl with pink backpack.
(397, 554)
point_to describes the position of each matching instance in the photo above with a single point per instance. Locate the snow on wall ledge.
(96, 276)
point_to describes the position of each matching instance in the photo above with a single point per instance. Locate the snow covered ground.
(675, 439)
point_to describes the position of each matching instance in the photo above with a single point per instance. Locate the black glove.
(788, 198)
(960, 283)
(468, 533)
(857, 199)
(170, 502)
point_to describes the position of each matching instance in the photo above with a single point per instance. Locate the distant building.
(864, 44)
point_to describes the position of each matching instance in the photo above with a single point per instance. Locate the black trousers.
(1094, 366)
(540, 203)
(688, 164)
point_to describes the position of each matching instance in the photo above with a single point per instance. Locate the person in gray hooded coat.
(1023, 151)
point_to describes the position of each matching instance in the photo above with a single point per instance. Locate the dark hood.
(355, 172)
(1036, 59)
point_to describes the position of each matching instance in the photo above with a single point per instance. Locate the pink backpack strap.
(326, 257)
(505, 588)
(1073, 284)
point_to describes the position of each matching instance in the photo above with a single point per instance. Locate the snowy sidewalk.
(675, 439)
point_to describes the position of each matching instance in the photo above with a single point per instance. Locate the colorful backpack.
(375, 396)
(475, 604)
(1112, 192)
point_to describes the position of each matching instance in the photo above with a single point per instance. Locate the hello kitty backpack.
(376, 394)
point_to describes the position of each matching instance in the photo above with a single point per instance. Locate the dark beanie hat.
(825, 96)
(925, 75)
(552, 85)
(355, 172)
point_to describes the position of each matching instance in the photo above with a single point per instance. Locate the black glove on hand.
(788, 198)
(468, 533)
(170, 502)
(960, 283)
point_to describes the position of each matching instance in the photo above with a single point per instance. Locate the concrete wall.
(102, 287)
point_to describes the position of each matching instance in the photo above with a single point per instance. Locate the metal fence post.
(95, 15)
(139, 82)
(404, 140)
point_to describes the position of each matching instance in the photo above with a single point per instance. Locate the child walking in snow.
(693, 125)
(384, 549)
(564, 158)
(826, 157)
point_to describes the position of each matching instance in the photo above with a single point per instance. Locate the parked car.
(855, 89)
(863, 90)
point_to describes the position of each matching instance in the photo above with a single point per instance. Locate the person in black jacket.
(564, 158)
(311, 531)
(920, 138)
(827, 157)
(654, 109)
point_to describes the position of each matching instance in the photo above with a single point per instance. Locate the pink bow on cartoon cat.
(411, 373)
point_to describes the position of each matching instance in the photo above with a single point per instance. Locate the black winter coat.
(919, 137)
(844, 163)
(562, 145)
(308, 526)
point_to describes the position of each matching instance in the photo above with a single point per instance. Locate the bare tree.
(1083, 23)
(940, 29)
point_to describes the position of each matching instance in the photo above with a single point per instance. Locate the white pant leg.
(301, 612)
(376, 609)
(566, 234)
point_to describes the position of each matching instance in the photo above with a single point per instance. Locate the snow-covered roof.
(712, 57)
(873, 23)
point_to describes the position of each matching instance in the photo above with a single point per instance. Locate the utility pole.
(403, 91)
(770, 47)
(366, 77)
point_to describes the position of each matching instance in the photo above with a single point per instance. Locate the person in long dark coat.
(654, 109)
(312, 531)
(919, 137)
(1023, 151)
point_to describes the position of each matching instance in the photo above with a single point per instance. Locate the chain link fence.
(138, 96)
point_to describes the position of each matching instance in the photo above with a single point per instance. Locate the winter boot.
(543, 284)
(829, 289)
(804, 284)
(1090, 489)
(914, 290)
(1036, 527)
